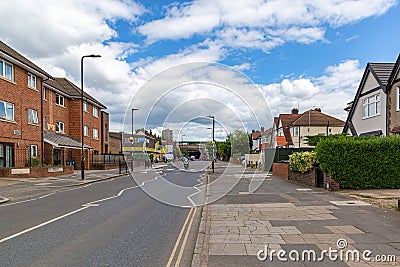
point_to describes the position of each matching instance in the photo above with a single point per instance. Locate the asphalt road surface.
(111, 223)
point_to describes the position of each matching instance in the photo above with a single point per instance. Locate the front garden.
(354, 162)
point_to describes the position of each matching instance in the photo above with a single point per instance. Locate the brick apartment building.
(40, 116)
(62, 123)
(20, 108)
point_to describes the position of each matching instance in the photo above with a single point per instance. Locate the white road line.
(47, 195)
(42, 224)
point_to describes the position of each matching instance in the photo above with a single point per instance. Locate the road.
(110, 223)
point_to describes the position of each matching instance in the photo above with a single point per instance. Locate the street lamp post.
(82, 121)
(131, 138)
(182, 143)
(213, 141)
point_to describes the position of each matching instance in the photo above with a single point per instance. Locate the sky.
(243, 62)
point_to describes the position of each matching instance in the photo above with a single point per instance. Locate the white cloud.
(261, 24)
(48, 27)
(330, 92)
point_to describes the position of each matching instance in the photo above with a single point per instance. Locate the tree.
(240, 143)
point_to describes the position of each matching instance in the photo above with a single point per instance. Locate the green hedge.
(361, 162)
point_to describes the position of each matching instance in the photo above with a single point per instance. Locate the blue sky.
(307, 53)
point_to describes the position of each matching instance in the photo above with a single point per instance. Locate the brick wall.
(281, 169)
(330, 183)
(307, 178)
(35, 172)
(19, 132)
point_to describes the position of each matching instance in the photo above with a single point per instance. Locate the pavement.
(19, 189)
(249, 229)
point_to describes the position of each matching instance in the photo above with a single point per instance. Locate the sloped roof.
(382, 71)
(317, 118)
(287, 120)
(394, 72)
(60, 140)
(281, 141)
(255, 135)
(17, 56)
(72, 90)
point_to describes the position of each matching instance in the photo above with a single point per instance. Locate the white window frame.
(397, 98)
(375, 102)
(8, 111)
(85, 106)
(44, 93)
(33, 116)
(33, 150)
(95, 133)
(60, 100)
(296, 131)
(59, 127)
(86, 130)
(31, 81)
(3, 65)
(95, 112)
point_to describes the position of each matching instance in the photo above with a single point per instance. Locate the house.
(292, 129)
(367, 113)
(393, 94)
(21, 83)
(266, 137)
(40, 116)
(256, 140)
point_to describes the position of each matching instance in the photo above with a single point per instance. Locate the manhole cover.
(350, 203)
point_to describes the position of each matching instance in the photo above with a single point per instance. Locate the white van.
(169, 157)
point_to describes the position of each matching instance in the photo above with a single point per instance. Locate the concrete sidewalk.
(282, 215)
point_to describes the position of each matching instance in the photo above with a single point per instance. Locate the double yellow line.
(185, 229)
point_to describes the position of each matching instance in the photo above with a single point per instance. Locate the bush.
(302, 161)
(361, 162)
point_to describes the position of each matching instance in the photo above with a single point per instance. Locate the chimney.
(295, 111)
(317, 109)
(262, 129)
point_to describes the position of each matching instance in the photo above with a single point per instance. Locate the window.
(95, 112)
(398, 98)
(86, 130)
(33, 151)
(59, 127)
(280, 133)
(295, 131)
(31, 81)
(44, 93)
(6, 70)
(95, 133)
(6, 111)
(371, 106)
(32, 116)
(59, 100)
(85, 106)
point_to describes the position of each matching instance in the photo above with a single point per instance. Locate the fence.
(107, 159)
